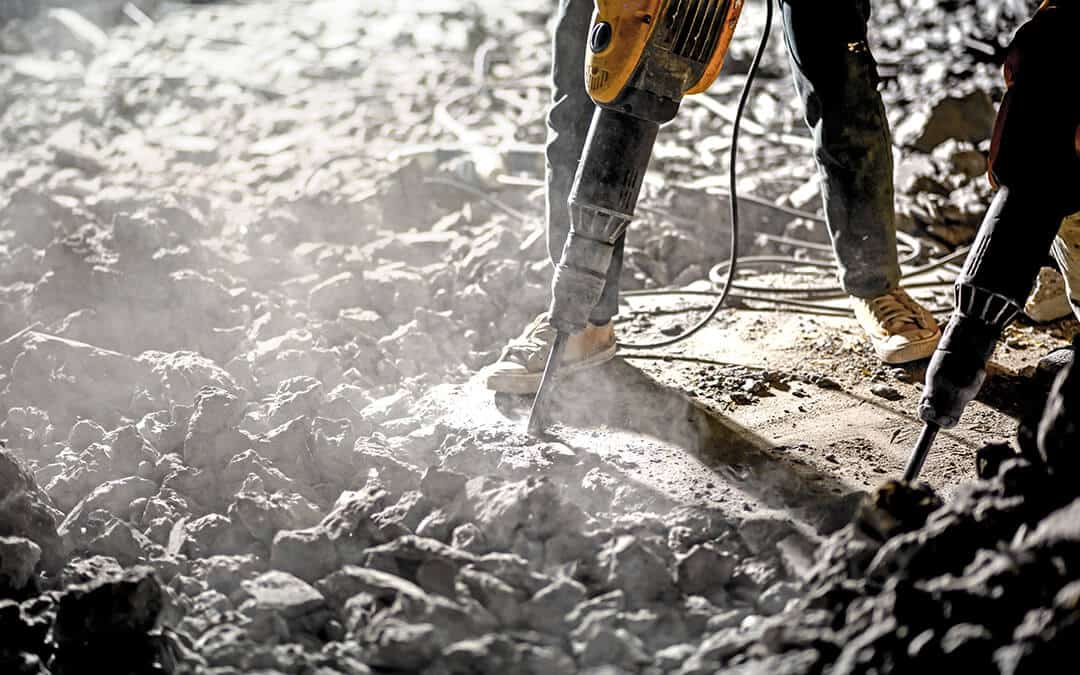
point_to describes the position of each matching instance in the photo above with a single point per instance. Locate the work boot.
(521, 365)
(900, 329)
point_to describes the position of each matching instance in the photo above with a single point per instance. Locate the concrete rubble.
(235, 264)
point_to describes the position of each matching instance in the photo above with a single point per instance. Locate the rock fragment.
(110, 620)
(26, 511)
(19, 558)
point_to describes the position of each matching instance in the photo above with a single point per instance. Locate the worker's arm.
(1034, 161)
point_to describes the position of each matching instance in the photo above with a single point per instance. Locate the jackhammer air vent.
(693, 28)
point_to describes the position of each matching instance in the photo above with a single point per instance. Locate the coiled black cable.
(733, 202)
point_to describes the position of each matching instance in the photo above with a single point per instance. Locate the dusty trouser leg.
(1066, 252)
(568, 124)
(836, 77)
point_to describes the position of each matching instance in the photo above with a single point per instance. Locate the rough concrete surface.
(252, 256)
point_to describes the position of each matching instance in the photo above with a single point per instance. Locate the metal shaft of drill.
(922, 449)
(538, 418)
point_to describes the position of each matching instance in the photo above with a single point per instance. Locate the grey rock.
(776, 597)
(673, 657)
(248, 463)
(406, 555)
(887, 392)
(265, 515)
(281, 594)
(469, 537)
(636, 570)
(401, 645)
(761, 533)
(1058, 531)
(969, 117)
(387, 408)
(370, 457)
(115, 497)
(352, 580)
(128, 449)
(502, 600)
(350, 524)
(226, 573)
(212, 437)
(109, 618)
(295, 397)
(442, 487)
(120, 541)
(226, 646)
(605, 646)
(544, 660)
(547, 609)
(704, 569)
(98, 384)
(331, 445)
(309, 553)
(19, 558)
(26, 511)
(83, 570)
(407, 513)
(212, 534)
(215, 450)
(440, 525)
(341, 291)
(184, 374)
(533, 508)
(78, 476)
(490, 653)
(83, 434)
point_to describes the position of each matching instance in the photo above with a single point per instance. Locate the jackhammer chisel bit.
(922, 449)
(538, 418)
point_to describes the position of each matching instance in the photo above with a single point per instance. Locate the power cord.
(732, 263)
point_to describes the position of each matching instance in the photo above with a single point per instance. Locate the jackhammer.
(643, 57)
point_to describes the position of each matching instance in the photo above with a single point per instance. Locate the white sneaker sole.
(526, 383)
(913, 351)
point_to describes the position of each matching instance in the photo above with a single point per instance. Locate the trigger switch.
(601, 37)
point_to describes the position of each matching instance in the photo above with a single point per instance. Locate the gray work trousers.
(836, 79)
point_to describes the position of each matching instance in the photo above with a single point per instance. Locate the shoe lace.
(894, 313)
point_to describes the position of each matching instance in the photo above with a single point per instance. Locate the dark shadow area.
(1015, 396)
(622, 397)
(1010, 395)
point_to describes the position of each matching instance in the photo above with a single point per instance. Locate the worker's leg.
(521, 363)
(568, 124)
(836, 77)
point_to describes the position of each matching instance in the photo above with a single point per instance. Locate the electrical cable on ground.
(733, 188)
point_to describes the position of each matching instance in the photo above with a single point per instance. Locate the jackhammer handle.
(538, 417)
(922, 449)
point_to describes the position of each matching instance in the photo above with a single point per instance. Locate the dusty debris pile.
(989, 582)
(414, 571)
